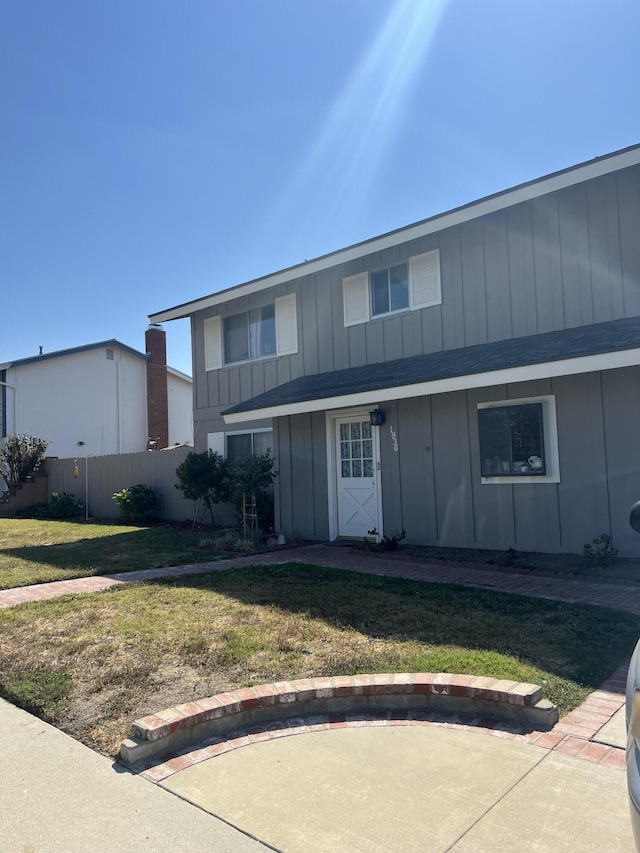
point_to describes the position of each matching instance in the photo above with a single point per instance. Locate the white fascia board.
(499, 201)
(179, 374)
(545, 370)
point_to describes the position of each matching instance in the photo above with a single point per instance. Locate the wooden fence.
(94, 479)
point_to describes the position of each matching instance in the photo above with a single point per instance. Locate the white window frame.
(388, 271)
(286, 322)
(250, 432)
(550, 436)
(425, 289)
(217, 441)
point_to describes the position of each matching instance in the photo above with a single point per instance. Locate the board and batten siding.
(565, 259)
(432, 488)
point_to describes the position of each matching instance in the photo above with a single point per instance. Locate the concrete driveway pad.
(371, 789)
(565, 804)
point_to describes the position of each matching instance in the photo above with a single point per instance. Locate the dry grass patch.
(93, 664)
(34, 551)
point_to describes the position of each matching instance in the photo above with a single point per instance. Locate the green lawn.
(93, 664)
(33, 551)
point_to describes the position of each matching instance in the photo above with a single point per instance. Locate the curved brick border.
(173, 729)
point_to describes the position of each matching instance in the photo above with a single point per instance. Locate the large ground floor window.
(518, 440)
(248, 443)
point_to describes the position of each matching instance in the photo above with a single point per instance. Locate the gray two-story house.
(473, 379)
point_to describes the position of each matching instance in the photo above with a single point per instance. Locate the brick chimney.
(157, 397)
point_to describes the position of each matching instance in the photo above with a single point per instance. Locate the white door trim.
(332, 473)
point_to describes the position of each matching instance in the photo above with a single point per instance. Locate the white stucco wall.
(180, 401)
(81, 396)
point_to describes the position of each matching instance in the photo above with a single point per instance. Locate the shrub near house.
(138, 503)
(20, 456)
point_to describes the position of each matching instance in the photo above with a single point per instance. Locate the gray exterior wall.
(566, 259)
(432, 486)
(569, 258)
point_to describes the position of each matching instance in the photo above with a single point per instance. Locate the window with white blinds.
(259, 333)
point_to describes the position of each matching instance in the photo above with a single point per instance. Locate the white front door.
(357, 475)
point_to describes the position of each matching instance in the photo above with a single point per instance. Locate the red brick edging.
(173, 729)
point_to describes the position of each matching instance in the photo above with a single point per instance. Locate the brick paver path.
(617, 596)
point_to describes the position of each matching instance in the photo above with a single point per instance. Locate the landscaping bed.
(617, 570)
(93, 664)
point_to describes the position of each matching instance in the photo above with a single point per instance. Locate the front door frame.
(332, 472)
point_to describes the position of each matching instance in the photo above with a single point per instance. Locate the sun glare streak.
(332, 183)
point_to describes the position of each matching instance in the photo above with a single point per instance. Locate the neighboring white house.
(98, 399)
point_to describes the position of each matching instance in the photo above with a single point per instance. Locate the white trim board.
(545, 370)
(499, 201)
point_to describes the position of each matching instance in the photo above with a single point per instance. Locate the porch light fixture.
(376, 417)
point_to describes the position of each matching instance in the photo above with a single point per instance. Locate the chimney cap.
(154, 326)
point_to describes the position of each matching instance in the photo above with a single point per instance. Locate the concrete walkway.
(58, 796)
(362, 789)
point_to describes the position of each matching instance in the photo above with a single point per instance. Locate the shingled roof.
(611, 337)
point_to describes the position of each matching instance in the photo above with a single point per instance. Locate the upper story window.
(518, 441)
(259, 333)
(390, 290)
(250, 335)
(402, 287)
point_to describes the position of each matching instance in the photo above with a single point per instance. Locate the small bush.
(138, 503)
(205, 477)
(236, 544)
(33, 511)
(601, 550)
(64, 505)
(391, 543)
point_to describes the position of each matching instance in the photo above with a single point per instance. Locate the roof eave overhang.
(487, 379)
(490, 204)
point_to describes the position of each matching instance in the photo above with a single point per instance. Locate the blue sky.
(152, 152)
